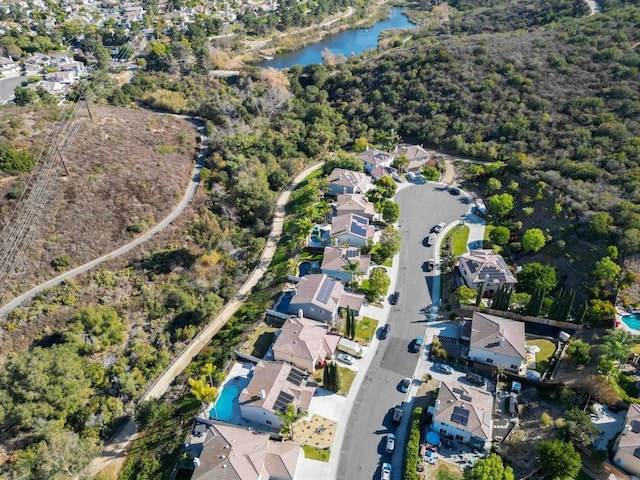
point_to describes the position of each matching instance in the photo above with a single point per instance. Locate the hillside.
(128, 169)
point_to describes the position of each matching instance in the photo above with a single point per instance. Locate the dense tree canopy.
(535, 276)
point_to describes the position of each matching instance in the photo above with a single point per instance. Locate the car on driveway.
(384, 333)
(475, 378)
(391, 443)
(442, 368)
(346, 358)
(385, 472)
(404, 386)
(394, 298)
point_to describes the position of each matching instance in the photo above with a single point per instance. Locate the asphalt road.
(363, 451)
(7, 86)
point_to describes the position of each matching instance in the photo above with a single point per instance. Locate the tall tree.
(578, 427)
(558, 459)
(289, 416)
(203, 392)
(535, 276)
(489, 468)
(533, 240)
(378, 282)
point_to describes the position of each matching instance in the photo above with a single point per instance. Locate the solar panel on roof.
(283, 400)
(358, 229)
(636, 452)
(466, 398)
(295, 377)
(325, 291)
(635, 426)
(460, 416)
(458, 390)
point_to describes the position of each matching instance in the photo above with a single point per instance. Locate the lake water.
(347, 42)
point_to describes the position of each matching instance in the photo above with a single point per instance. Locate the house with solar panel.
(219, 451)
(336, 263)
(352, 229)
(483, 266)
(495, 341)
(373, 157)
(319, 297)
(465, 414)
(342, 181)
(627, 445)
(273, 386)
(417, 157)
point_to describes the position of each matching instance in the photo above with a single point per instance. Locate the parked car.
(394, 298)
(385, 472)
(391, 443)
(475, 378)
(346, 358)
(417, 344)
(454, 191)
(406, 383)
(442, 368)
(430, 240)
(385, 331)
(438, 228)
(397, 415)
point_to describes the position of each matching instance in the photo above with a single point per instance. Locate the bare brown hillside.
(128, 169)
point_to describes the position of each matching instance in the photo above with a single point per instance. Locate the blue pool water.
(285, 301)
(304, 268)
(223, 409)
(632, 321)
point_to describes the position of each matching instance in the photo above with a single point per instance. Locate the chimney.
(501, 339)
(436, 405)
(196, 462)
(262, 394)
(300, 313)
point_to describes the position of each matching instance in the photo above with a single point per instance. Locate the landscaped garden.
(547, 348)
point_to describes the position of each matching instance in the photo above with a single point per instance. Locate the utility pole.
(66, 170)
(86, 103)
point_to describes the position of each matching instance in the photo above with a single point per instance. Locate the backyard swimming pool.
(632, 321)
(223, 409)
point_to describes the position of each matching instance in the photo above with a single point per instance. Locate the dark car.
(475, 378)
(454, 191)
(394, 298)
(384, 333)
(397, 415)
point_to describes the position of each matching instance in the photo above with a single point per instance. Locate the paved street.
(7, 86)
(362, 453)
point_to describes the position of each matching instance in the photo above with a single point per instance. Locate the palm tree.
(291, 266)
(289, 416)
(616, 345)
(499, 374)
(203, 392)
(353, 268)
(209, 369)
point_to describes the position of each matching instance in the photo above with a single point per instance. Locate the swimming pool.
(632, 321)
(223, 409)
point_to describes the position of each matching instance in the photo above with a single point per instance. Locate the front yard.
(547, 347)
(346, 379)
(366, 329)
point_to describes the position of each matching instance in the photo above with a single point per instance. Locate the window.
(269, 422)
(443, 431)
(514, 367)
(312, 309)
(489, 360)
(459, 437)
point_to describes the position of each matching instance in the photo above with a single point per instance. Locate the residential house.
(346, 181)
(318, 297)
(372, 158)
(273, 386)
(483, 266)
(304, 343)
(382, 171)
(465, 414)
(351, 229)
(336, 261)
(8, 66)
(496, 341)
(417, 157)
(355, 203)
(221, 451)
(627, 445)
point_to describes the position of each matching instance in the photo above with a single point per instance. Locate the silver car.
(346, 358)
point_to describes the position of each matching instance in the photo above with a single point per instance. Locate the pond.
(345, 43)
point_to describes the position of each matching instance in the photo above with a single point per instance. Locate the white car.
(438, 228)
(391, 443)
(406, 383)
(346, 358)
(385, 473)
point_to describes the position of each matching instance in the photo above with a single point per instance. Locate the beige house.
(220, 451)
(356, 204)
(373, 157)
(342, 181)
(352, 229)
(305, 343)
(464, 413)
(496, 341)
(478, 266)
(627, 445)
(273, 386)
(336, 260)
(417, 157)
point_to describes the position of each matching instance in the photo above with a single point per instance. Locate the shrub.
(545, 419)
(61, 263)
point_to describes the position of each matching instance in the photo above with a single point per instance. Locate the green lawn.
(547, 348)
(366, 329)
(460, 239)
(315, 453)
(346, 379)
(259, 341)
